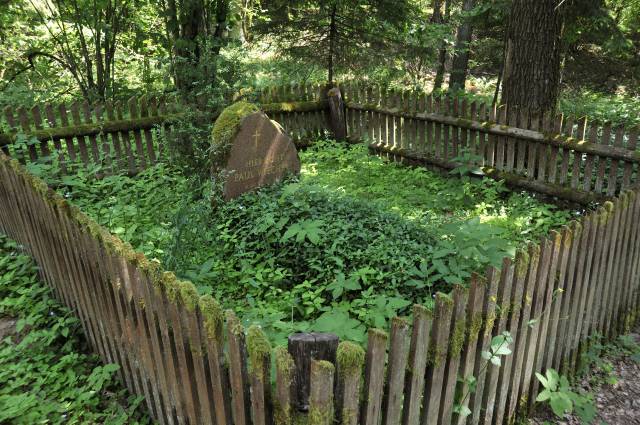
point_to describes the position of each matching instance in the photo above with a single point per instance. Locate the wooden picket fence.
(195, 364)
(131, 136)
(570, 158)
(116, 136)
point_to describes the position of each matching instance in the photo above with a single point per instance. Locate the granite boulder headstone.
(258, 154)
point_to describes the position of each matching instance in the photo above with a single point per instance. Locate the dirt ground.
(616, 404)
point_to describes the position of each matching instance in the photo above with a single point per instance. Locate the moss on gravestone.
(225, 129)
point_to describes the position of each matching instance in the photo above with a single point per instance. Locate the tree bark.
(532, 70)
(442, 58)
(461, 54)
(332, 44)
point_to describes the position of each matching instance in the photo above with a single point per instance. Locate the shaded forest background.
(582, 55)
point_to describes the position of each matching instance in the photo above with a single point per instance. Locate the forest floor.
(614, 382)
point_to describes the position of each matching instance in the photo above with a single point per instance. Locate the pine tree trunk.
(532, 70)
(442, 57)
(332, 44)
(461, 55)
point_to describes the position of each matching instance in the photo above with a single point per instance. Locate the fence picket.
(505, 373)
(137, 136)
(474, 318)
(350, 359)
(374, 376)
(484, 341)
(321, 393)
(521, 336)
(398, 357)
(414, 383)
(503, 302)
(458, 330)
(259, 376)
(282, 411)
(238, 371)
(36, 116)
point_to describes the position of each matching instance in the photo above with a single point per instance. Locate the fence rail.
(195, 364)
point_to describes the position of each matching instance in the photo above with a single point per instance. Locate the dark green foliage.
(333, 33)
(45, 375)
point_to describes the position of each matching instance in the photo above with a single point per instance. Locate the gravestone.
(259, 154)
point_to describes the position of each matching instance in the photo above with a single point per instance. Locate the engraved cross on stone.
(255, 139)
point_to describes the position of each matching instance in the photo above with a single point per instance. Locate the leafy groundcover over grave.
(45, 374)
(351, 243)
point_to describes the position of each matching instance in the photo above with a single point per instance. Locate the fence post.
(337, 118)
(305, 347)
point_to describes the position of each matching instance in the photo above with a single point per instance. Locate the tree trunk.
(442, 58)
(461, 54)
(333, 33)
(532, 69)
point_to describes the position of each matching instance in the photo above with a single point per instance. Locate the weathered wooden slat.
(554, 126)
(591, 281)
(614, 255)
(93, 141)
(125, 139)
(25, 124)
(238, 371)
(632, 143)
(374, 376)
(282, 412)
(578, 155)
(503, 305)
(589, 163)
(350, 359)
(437, 357)
(82, 144)
(612, 181)
(567, 131)
(259, 351)
(414, 383)
(616, 304)
(474, 319)
(36, 116)
(484, 342)
(321, 410)
(511, 119)
(549, 301)
(148, 137)
(522, 335)
(543, 151)
(398, 357)
(456, 336)
(141, 153)
(501, 142)
(52, 123)
(562, 289)
(520, 267)
(583, 273)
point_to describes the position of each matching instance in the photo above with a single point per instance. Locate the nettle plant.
(498, 348)
(562, 399)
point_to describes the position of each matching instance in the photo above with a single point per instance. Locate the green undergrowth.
(350, 244)
(46, 377)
